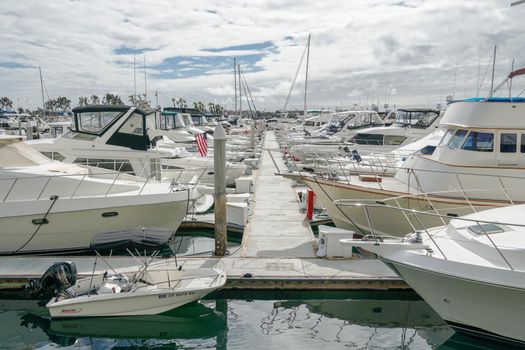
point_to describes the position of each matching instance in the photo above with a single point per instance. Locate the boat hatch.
(482, 229)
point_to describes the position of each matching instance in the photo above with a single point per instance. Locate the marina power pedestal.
(329, 245)
(237, 213)
(245, 184)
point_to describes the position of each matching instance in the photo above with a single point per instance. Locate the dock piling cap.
(219, 133)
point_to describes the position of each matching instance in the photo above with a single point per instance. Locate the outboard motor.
(57, 279)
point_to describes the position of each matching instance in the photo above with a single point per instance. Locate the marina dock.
(277, 250)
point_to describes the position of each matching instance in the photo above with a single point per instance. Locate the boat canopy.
(353, 120)
(139, 238)
(417, 117)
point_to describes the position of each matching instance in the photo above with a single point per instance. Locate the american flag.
(202, 144)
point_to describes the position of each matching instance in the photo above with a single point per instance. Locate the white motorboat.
(478, 164)
(471, 271)
(410, 125)
(48, 206)
(149, 290)
(122, 138)
(158, 291)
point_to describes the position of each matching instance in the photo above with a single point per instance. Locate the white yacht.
(478, 164)
(471, 271)
(409, 126)
(48, 206)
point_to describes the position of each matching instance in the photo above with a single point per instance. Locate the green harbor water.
(246, 320)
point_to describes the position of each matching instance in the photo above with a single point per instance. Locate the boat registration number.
(177, 294)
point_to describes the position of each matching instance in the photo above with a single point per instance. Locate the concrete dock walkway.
(277, 228)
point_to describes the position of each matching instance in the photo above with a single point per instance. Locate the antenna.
(519, 2)
(156, 98)
(42, 90)
(306, 77)
(493, 69)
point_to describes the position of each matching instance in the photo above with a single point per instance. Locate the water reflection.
(243, 324)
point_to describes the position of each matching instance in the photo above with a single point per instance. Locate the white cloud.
(403, 51)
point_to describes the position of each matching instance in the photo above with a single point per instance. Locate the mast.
(240, 90)
(42, 91)
(145, 80)
(235, 82)
(510, 84)
(134, 77)
(493, 69)
(306, 77)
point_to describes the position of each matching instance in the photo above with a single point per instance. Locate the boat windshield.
(362, 120)
(353, 121)
(199, 119)
(418, 119)
(95, 122)
(338, 121)
(186, 118)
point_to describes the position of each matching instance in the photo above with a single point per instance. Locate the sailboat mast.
(240, 89)
(42, 91)
(306, 77)
(510, 84)
(145, 80)
(493, 69)
(134, 77)
(235, 82)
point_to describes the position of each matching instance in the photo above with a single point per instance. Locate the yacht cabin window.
(395, 140)
(133, 125)
(522, 147)
(479, 142)
(95, 122)
(457, 139)
(508, 143)
(447, 136)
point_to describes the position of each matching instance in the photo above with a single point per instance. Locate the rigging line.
(249, 92)
(294, 79)
(247, 100)
(484, 75)
(338, 207)
(54, 198)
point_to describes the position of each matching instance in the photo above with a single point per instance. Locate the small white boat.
(150, 289)
(152, 293)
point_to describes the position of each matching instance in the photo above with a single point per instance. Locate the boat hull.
(72, 222)
(469, 305)
(387, 221)
(136, 304)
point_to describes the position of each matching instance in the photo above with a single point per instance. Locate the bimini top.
(111, 108)
(492, 99)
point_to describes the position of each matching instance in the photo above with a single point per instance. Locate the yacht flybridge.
(48, 206)
(478, 164)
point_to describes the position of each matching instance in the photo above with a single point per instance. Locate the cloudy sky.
(412, 52)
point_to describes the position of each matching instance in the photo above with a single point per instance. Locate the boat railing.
(343, 172)
(430, 232)
(38, 186)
